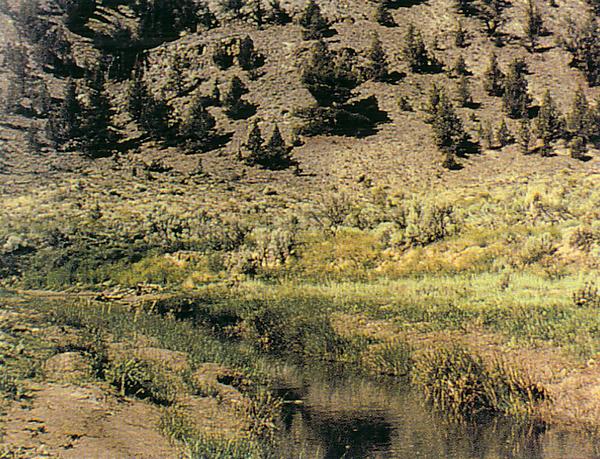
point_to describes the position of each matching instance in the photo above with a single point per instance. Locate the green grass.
(460, 384)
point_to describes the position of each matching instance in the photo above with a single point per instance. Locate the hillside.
(408, 188)
(400, 153)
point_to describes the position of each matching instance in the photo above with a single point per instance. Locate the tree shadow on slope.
(354, 119)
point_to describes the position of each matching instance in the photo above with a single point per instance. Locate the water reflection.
(331, 414)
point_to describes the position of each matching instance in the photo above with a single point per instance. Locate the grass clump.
(175, 423)
(206, 447)
(138, 378)
(10, 387)
(459, 384)
(587, 296)
(391, 358)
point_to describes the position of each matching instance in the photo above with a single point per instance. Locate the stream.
(335, 414)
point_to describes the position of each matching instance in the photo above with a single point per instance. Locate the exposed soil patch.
(77, 421)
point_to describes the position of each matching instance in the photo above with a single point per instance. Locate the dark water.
(332, 414)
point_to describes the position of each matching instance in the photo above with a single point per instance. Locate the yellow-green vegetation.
(370, 282)
(460, 384)
(119, 346)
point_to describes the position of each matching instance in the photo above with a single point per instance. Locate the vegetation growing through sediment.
(109, 339)
(305, 227)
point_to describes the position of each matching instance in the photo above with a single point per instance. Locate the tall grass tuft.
(459, 384)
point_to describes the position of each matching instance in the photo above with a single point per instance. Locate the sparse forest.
(193, 190)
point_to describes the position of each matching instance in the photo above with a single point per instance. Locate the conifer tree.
(524, 136)
(460, 67)
(254, 144)
(378, 66)
(215, 94)
(136, 93)
(382, 14)
(276, 13)
(433, 102)
(516, 98)
(493, 78)
(584, 43)
(463, 92)
(448, 130)
(222, 56)
(533, 24)
(64, 124)
(577, 146)
(233, 7)
(486, 136)
(235, 106)
(154, 114)
(327, 80)
(256, 14)
(247, 57)
(460, 36)
(579, 118)
(503, 135)
(277, 153)
(97, 135)
(595, 119)
(549, 123)
(415, 52)
(175, 78)
(197, 130)
(314, 24)
(404, 104)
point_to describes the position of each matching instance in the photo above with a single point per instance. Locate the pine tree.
(247, 57)
(579, 118)
(97, 135)
(415, 51)
(232, 7)
(584, 43)
(256, 14)
(404, 104)
(175, 78)
(516, 98)
(276, 14)
(460, 67)
(312, 20)
(595, 119)
(154, 117)
(235, 106)
(197, 130)
(533, 24)
(448, 130)
(549, 123)
(503, 135)
(493, 78)
(222, 56)
(460, 36)
(254, 144)
(486, 136)
(524, 136)
(326, 76)
(490, 12)
(136, 93)
(449, 161)
(64, 124)
(463, 92)
(377, 69)
(277, 153)
(433, 102)
(382, 14)
(215, 94)
(578, 147)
